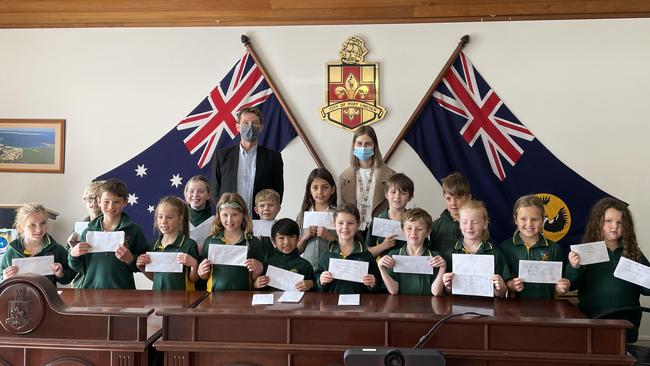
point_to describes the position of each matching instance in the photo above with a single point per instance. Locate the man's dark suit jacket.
(269, 171)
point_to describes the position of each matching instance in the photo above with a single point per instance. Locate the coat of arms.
(18, 311)
(352, 95)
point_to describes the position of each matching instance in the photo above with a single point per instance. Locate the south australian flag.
(187, 150)
(465, 127)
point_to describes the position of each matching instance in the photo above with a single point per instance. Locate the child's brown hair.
(455, 184)
(594, 227)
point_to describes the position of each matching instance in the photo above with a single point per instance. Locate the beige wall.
(580, 86)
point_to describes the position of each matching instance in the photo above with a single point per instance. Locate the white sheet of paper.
(201, 232)
(473, 274)
(385, 228)
(591, 253)
(231, 255)
(291, 296)
(347, 269)
(350, 299)
(104, 241)
(262, 227)
(315, 218)
(540, 271)
(412, 264)
(163, 262)
(283, 279)
(80, 226)
(39, 265)
(631, 271)
(262, 299)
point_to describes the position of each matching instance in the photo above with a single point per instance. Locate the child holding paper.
(347, 247)
(34, 241)
(399, 191)
(197, 195)
(267, 206)
(473, 218)
(173, 225)
(320, 196)
(529, 243)
(416, 224)
(285, 234)
(232, 226)
(611, 221)
(106, 269)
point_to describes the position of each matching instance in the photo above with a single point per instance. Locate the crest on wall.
(352, 94)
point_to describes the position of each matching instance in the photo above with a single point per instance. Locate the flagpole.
(463, 41)
(246, 41)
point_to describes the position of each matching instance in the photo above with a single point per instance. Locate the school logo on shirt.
(558, 217)
(352, 93)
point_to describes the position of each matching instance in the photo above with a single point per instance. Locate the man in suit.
(248, 167)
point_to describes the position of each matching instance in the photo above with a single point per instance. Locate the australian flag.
(187, 150)
(465, 127)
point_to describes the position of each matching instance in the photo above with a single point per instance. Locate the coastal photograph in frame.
(32, 145)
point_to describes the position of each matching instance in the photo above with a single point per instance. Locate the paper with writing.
(262, 299)
(540, 271)
(283, 279)
(316, 218)
(163, 262)
(231, 255)
(631, 271)
(412, 264)
(349, 299)
(473, 274)
(347, 269)
(591, 253)
(104, 241)
(262, 227)
(291, 296)
(38, 265)
(385, 228)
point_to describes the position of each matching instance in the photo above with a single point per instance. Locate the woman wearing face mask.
(363, 182)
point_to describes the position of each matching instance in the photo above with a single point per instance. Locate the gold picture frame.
(32, 145)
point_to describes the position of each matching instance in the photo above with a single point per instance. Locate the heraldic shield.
(352, 95)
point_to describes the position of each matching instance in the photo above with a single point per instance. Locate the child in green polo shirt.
(528, 243)
(285, 233)
(197, 195)
(173, 225)
(110, 270)
(416, 224)
(399, 191)
(232, 226)
(445, 231)
(267, 206)
(348, 246)
(34, 241)
(473, 219)
(599, 291)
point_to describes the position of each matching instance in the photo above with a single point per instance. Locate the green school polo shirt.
(50, 247)
(232, 278)
(486, 247)
(198, 216)
(359, 253)
(413, 283)
(514, 250)
(445, 232)
(599, 290)
(175, 281)
(292, 262)
(104, 270)
(372, 240)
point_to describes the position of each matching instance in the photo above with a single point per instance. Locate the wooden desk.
(225, 329)
(80, 327)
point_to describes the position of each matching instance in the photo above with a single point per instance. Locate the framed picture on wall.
(32, 145)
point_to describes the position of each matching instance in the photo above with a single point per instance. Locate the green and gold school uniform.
(173, 280)
(359, 253)
(372, 240)
(599, 290)
(104, 270)
(291, 262)
(486, 247)
(17, 249)
(514, 250)
(232, 278)
(413, 283)
(197, 217)
(445, 232)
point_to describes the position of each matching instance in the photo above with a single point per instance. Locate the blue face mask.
(363, 153)
(249, 132)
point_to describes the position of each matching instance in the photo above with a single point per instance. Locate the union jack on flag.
(479, 106)
(463, 109)
(187, 150)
